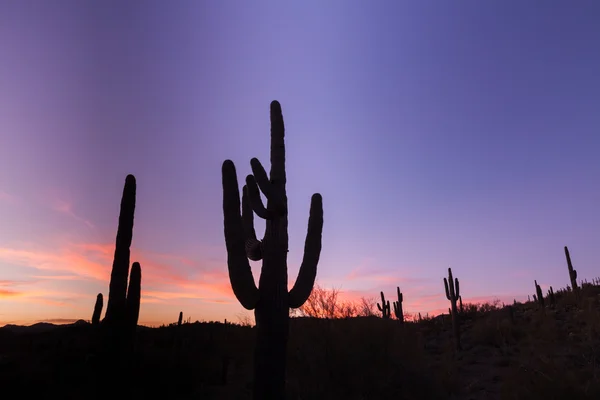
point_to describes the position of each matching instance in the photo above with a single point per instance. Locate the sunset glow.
(438, 138)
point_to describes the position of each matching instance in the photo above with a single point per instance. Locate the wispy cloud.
(66, 208)
(165, 277)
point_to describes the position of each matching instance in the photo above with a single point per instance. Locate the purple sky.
(461, 134)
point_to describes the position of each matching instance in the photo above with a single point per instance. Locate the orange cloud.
(61, 260)
(9, 293)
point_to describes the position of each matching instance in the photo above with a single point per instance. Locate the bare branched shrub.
(366, 308)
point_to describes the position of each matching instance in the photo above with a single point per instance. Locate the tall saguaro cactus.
(572, 272)
(398, 306)
(123, 307)
(271, 300)
(452, 294)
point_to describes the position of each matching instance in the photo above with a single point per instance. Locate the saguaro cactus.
(452, 294)
(384, 307)
(572, 272)
(123, 307)
(180, 320)
(271, 301)
(98, 309)
(398, 311)
(551, 297)
(539, 294)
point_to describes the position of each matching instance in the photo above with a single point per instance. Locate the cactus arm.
(255, 201)
(278, 176)
(312, 251)
(133, 295)
(447, 290)
(252, 245)
(261, 177)
(456, 288)
(240, 273)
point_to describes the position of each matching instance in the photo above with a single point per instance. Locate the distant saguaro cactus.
(398, 311)
(98, 309)
(452, 294)
(551, 297)
(180, 320)
(384, 307)
(123, 307)
(539, 294)
(572, 272)
(271, 301)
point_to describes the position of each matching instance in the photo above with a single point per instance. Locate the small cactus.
(572, 272)
(384, 307)
(539, 294)
(551, 297)
(180, 320)
(98, 309)
(452, 294)
(398, 311)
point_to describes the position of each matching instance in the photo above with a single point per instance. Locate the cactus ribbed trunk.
(271, 300)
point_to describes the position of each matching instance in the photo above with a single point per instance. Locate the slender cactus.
(384, 307)
(539, 294)
(98, 309)
(551, 297)
(180, 320)
(452, 294)
(572, 272)
(398, 311)
(123, 308)
(271, 301)
(117, 295)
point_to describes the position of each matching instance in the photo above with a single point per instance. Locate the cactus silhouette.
(572, 272)
(551, 297)
(398, 311)
(384, 307)
(180, 320)
(123, 307)
(452, 294)
(98, 309)
(271, 301)
(539, 294)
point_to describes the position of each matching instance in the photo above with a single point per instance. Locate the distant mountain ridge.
(40, 327)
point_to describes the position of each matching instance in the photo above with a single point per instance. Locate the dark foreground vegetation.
(545, 349)
(519, 351)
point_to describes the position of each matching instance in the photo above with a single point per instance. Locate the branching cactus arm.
(312, 251)
(240, 273)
